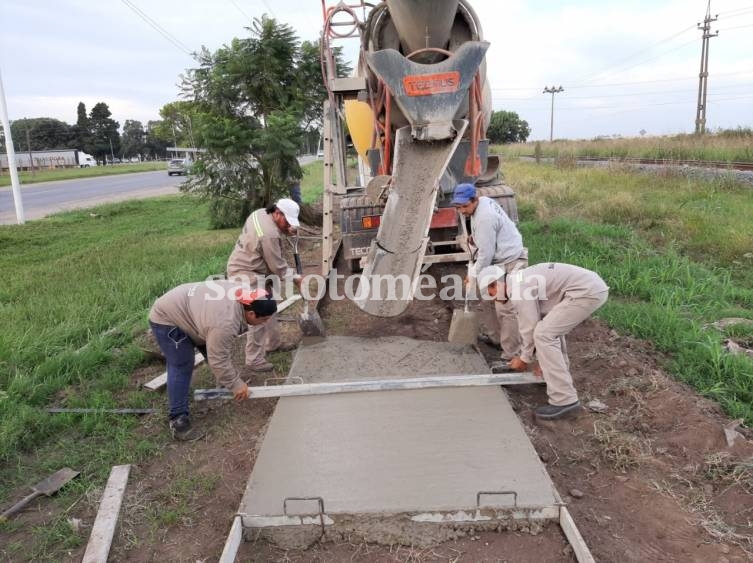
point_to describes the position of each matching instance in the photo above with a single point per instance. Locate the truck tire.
(504, 196)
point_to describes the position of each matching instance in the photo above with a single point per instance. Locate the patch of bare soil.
(649, 479)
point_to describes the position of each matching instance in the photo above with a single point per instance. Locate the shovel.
(464, 324)
(47, 487)
(311, 324)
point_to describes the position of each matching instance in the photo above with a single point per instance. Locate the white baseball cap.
(488, 276)
(290, 209)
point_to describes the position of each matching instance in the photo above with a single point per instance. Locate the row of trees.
(95, 133)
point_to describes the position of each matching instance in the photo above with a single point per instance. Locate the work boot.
(489, 341)
(182, 430)
(552, 412)
(261, 366)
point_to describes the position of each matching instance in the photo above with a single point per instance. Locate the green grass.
(75, 291)
(724, 146)
(312, 182)
(74, 173)
(710, 221)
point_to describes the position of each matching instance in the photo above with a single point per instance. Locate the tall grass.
(73, 291)
(710, 221)
(734, 145)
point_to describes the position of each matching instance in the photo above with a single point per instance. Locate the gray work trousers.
(551, 351)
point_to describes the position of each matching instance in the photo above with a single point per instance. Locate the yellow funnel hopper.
(360, 120)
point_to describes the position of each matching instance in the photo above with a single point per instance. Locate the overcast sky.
(625, 66)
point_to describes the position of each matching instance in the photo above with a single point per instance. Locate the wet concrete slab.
(428, 456)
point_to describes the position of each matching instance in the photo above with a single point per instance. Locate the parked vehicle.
(178, 166)
(63, 158)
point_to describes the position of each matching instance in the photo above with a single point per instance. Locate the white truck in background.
(45, 160)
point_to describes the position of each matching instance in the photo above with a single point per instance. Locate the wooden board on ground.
(161, 380)
(103, 530)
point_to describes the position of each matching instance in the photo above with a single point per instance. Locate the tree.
(133, 138)
(44, 133)
(251, 101)
(176, 125)
(104, 130)
(507, 127)
(155, 145)
(80, 134)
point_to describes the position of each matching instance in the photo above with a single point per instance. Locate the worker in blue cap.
(495, 240)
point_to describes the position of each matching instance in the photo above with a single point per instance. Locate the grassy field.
(726, 146)
(74, 173)
(312, 182)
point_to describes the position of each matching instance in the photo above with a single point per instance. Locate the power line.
(237, 7)
(611, 66)
(157, 27)
(612, 84)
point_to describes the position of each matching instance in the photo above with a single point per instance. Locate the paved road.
(52, 197)
(46, 198)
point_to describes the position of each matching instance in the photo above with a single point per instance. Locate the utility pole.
(552, 91)
(112, 155)
(20, 219)
(703, 76)
(28, 148)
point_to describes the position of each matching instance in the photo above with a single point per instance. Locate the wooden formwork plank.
(100, 540)
(580, 548)
(233, 541)
(161, 380)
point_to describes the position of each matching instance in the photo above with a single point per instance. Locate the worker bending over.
(259, 253)
(496, 241)
(208, 316)
(550, 299)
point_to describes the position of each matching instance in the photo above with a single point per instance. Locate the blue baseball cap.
(463, 194)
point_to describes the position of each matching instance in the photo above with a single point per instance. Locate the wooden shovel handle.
(19, 506)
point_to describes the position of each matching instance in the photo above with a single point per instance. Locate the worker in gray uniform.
(496, 241)
(550, 299)
(259, 253)
(208, 316)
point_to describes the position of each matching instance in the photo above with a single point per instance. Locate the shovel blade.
(463, 327)
(55, 482)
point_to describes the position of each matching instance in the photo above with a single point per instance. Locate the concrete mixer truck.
(416, 112)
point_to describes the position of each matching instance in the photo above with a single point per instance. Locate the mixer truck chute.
(417, 113)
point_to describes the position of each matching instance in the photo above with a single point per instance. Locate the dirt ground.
(649, 479)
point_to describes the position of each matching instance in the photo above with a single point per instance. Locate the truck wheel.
(504, 196)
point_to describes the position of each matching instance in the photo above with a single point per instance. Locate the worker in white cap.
(550, 299)
(496, 241)
(258, 253)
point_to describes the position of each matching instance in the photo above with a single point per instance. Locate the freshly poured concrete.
(419, 456)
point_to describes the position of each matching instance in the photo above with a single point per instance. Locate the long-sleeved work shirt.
(210, 315)
(536, 290)
(494, 234)
(259, 249)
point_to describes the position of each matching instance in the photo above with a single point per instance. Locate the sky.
(626, 67)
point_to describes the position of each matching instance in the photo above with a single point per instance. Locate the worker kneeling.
(550, 300)
(208, 316)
